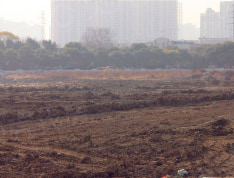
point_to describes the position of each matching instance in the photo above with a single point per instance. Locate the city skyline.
(21, 10)
(30, 12)
(128, 21)
(218, 24)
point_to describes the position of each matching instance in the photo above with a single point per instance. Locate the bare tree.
(97, 37)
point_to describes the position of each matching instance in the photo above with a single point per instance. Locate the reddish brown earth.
(59, 127)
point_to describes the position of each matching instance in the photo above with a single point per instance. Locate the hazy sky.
(30, 10)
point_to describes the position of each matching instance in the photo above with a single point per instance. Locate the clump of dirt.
(58, 111)
(229, 148)
(52, 154)
(40, 114)
(90, 95)
(9, 117)
(220, 123)
(221, 127)
(63, 174)
(31, 157)
(86, 160)
(110, 95)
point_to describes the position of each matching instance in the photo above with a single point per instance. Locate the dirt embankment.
(109, 102)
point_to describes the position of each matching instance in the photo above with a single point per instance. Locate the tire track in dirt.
(51, 153)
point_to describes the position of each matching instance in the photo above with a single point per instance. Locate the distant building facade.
(218, 25)
(190, 32)
(213, 40)
(210, 24)
(160, 42)
(130, 21)
(226, 19)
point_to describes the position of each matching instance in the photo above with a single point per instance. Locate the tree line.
(32, 55)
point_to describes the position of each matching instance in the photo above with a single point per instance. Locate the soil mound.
(220, 123)
(89, 95)
(110, 95)
(221, 127)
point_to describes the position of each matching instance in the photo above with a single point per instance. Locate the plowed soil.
(117, 128)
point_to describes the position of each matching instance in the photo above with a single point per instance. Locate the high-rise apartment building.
(218, 24)
(168, 19)
(226, 17)
(210, 24)
(130, 21)
(180, 20)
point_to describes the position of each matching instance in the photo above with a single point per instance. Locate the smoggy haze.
(30, 10)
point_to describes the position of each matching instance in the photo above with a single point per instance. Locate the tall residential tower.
(210, 24)
(218, 24)
(130, 21)
(226, 17)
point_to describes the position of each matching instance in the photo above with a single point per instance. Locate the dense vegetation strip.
(32, 55)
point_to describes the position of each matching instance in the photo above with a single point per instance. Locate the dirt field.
(120, 125)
